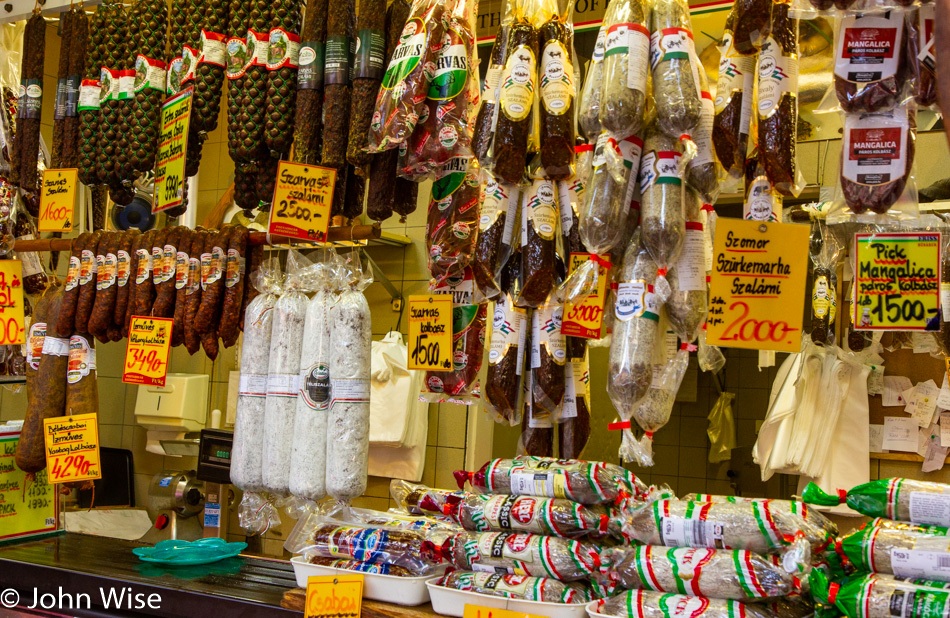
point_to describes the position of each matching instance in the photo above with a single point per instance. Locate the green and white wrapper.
(521, 587)
(523, 554)
(920, 502)
(649, 604)
(909, 552)
(872, 595)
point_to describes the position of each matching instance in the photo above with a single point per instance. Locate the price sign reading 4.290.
(11, 302)
(897, 281)
(757, 290)
(172, 149)
(72, 448)
(430, 332)
(146, 357)
(303, 195)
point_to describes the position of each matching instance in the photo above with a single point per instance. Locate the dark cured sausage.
(104, 305)
(66, 317)
(866, 182)
(193, 292)
(233, 286)
(514, 119)
(87, 282)
(124, 274)
(48, 398)
(164, 306)
(82, 387)
(144, 289)
(136, 254)
(871, 78)
(181, 284)
(213, 260)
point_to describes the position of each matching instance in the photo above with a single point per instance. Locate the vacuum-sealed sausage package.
(537, 425)
(686, 306)
(894, 498)
(653, 411)
(487, 116)
(453, 218)
(922, 56)
(496, 225)
(540, 221)
(733, 104)
(517, 587)
(675, 67)
(762, 201)
(872, 68)
(702, 171)
(588, 115)
(626, 65)
(662, 196)
(558, 90)
(873, 595)
(517, 553)
(605, 202)
(506, 350)
(650, 604)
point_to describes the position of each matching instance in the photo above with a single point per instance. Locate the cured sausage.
(701, 171)
(518, 86)
(82, 391)
(650, 604)
(36, 335)
(106, 279)
(453, 218)
(871, 180)
(158, 263)
(626, 63)
(506, 358)
(592, 91)
(164, 306)
(233, 286)
(213, 260)
(539, 231)
(140, 296)
(752, 26)
(193, 291)
(181, 284)
(519, 587)
(486, 118)
(573, 425)
(686, 305)
(922, 31)
(673, 61)
(557, 98)
(88, 268)
(518, 553)
(338, 91)
(733, 103)
(548, 356)
(662, 222)
(493, 222)
(603, 213)
(367, 72)
(871, 61)
(468, 343)
(66, 316)
(124, 273)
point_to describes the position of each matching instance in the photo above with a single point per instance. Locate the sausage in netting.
(48, 398)
(250, 291)
(871, 61)
(66, 317)
(877, 157)
(516, 98)
(193, 290)
(181, 285)
(124, 274)
(164, 306)
(87, 282)
(103, 308)
(233, 286)
(212, 278)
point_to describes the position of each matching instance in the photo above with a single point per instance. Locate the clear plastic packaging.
(540, 221)
(543, 589)
(872, 70)
(506, 349)
(762, 202)
(649, 604)
(733, 103)
(753, 25)
(498, 212)
(894, 498)
(548, 359)
(702, 171)
(662, 196)
(873, 549)
(537, 425)
(606, 198)
(557, 89)
(453, 218)
(592, 91)
(873, 595)
(675, 68)
(653, 411)
(922, 55)
(518, 553)
(824, 301)
(487, 117)
(626, 64)
(686, 306)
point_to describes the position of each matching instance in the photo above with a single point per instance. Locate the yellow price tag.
(303, 195)
(58, 200)
(430, 332)
(23, 512)
(172, 148)
(146, 356)
(339, 596)
(72, 448)
(477, 611)
(586, 318)
(897, 281)
(758, 285)
(11, 303)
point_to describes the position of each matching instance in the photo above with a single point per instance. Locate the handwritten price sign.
(585, 318)
(477, 611)
(897, 281)
(24, 512)
(58, 200)
(339, 596)
(172, 148)
(72, 448)
(146, 357)
(758, 285)
(11, 303)
(303, 195)
(430, 332)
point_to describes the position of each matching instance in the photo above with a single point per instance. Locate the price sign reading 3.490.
(430, 332)
(303, 195)
(146, 357)
(757, 289)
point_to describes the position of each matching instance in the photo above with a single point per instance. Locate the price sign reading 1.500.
(303, 195)
(11, 302)
(146, 357)
(430, 332)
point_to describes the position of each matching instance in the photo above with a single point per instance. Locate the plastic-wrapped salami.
(649, 604)
(870, 595)
(592, 91)
(506, 350)
(871, 64)
(487, 116)
(662, 213)
(626, 64)
(557, 91)
(903, 499)
(675, 68)
(520, 587)
(283, 367)
(702, 173)
(348, 423)
(402, 548)
(733, 103)
(586, 482)
(762, 202)
(452, 223)
(753, 25)
(523, 554)
(548, 357)
(921, 31)
(717, 573)
(760, 526)
(308, 458)
(686, 306)
(537, 427)
(573, 425)
(606, 198)
(497, 214)
(901, 552)
(653, 411)
(539, 230)
(376, 568)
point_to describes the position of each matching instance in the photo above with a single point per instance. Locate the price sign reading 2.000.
(303, 195)
(172, 150)
(758, 285)
(430, 332)
(146, 357)
(897, 281)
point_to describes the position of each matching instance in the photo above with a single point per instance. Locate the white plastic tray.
(592, 610)
(406, 591)
(451, 602)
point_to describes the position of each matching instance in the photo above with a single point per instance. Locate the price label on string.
(58, 200)
(757, 288)
(72, 448)
(146, 356)
(170, 178)
(584, 319)
(897, 281)
(430, 332)
(303, 195)
(12, 330)
(334, 596)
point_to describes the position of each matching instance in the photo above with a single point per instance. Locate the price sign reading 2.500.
(430, 332)
(303, 195)
(146, 357)
(758, 285)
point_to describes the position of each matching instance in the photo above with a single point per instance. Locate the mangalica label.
(507, 546)
(106, 277)
(494, 200)
(370, 56)
(87, 267)
(310, 72)
(659, 167)
(258, 48)
(143, 266)
(874, 147)
(736, 74)
(213, 49)
(635, 299)
(315, 386)
(34, 344)
(407, 55)
(235, 266)
(90, 92)
(123, 267)
(181, 270)
(546, 334)
(762, 203)
(517, 84)
(869, 46)
(542, 208)
(778, 76)
(175, 75)
(189, 59)
(72, 274)
(557, 78)
(283, 49)
(238, 57)
(81, 360)
(148, 74)
(126, 84)
(109, 89)
(507, 324)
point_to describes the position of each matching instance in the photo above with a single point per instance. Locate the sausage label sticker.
(897, 281)
(430, 332)
(57, 200)
(12, 317)
(72, 448)
(146, 357)
(757, 287)
(517, 84)
(303, 195)
(339, 596)
(170, 179)
(875, 150)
